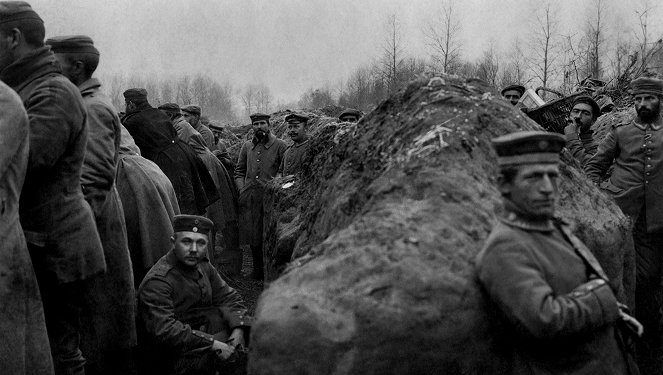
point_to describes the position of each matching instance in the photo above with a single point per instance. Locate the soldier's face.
(190, 247)
(582, 115)
(297, 131)
(191, 118)
(534, 190)
(512, 96)
(260, 128)
(648, 106)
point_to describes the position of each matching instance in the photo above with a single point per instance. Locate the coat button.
(256, 177)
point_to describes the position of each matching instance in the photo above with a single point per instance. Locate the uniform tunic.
(168, 294)
(637, 179)
(293, 158)
(530, 273)
(24, 349)
(109, 328)
(206, 133)
(257, 164)
(581, 145)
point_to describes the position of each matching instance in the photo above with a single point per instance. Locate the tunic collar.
(656, 125)
(90, 86)
(514, 220)
(270, 141)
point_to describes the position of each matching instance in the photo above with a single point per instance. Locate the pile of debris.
(383, 226)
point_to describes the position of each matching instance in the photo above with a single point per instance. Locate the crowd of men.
(109, 220)
(109, 224)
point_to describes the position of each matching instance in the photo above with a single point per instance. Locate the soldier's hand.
(222, 349)
(237, 338)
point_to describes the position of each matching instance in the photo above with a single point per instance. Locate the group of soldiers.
(109, 226)
(109, 220)
(558, 303)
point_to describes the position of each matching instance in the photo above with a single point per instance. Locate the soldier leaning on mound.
(292, 158)
(189, 318)
(191, 114)
(259, 161)
(512, 93)
(636, 184)
(58, 223)
(578, 133)
(558, 308)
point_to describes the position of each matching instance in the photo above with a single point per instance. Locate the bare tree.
(248, 97)
(488, 65)
(263, 98)
(393, 57)
(443, 37)
(544, 45)
(595, 39)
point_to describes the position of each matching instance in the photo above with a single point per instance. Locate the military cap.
(72, 44)
(604, 101)
(259, 116)
(135, 93)
(528, 147)
(192, 223)
(14, 11)
(296, 117)
(192, 109)
(215, 126)
(519, 88)
(586, 99)
(350, 112)
(170, 107)
(646, 85)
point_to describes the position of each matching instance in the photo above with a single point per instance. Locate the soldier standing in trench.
(258, 162)
(292, 158)
(558, 308)
(636, 184)
(58, 223)
(109, 330)
(578, 133)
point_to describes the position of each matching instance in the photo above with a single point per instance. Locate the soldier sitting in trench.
(578, 132)
(560, 313)
(189, 320)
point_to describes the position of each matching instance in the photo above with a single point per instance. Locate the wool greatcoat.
(109, 328)
(224, 212)
(257, 164)
(155, 136)
(530, 273)
(24, 348)
(637, 179)
(149, 204)
(294, 157)
(168, 299)
(57, 221)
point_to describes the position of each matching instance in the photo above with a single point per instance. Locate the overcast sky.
(291, 45)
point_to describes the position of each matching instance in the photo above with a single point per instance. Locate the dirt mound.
(385, 223)
(603, 124)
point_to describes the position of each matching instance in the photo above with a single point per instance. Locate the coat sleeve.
(514, 281)
(13, 127)
(240, 168)
(156, 311)
(228, 301)
(575, 146)
(50, 127)
(598, 164)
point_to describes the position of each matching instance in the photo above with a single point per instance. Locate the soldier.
(551, 294)
(109, 331)
(636, 184)
(292, 159)
(512, 93)
(149, 203)
(22, 324)
(578, 132)
(157, 139)
(58, 223)
(187, 314)
(258, 162)
(350, 115)
(192, 116)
